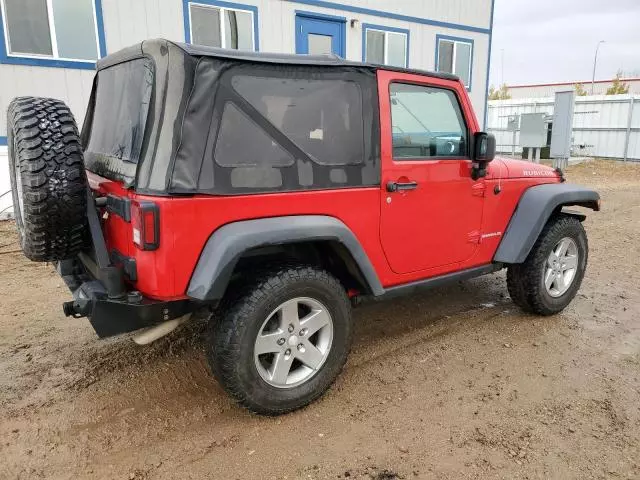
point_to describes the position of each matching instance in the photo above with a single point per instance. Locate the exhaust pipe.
(69, 309)
(154, 333)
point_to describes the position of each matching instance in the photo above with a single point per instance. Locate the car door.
(431, 210)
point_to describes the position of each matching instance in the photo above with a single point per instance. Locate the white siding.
(71, 85)
(128, 22)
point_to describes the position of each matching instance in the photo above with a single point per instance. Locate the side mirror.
(484, 147)
(484, 150)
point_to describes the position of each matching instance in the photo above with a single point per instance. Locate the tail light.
(145, 222)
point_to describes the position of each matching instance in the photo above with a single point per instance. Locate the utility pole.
(502, 65)
(595, 61)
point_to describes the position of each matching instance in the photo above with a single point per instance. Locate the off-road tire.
(45, 158)
(230, 338)
(516, 288)
(525, 281)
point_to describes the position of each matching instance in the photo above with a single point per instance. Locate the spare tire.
(48, 180)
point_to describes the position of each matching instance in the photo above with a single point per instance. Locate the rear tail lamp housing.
(145, 224)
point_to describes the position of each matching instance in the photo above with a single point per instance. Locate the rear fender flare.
(534, 209)
(228, 243)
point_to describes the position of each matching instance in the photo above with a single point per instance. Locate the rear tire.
(550, 277)
(47, 178)
(270, 316)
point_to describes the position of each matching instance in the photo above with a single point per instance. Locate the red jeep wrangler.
(274, 191)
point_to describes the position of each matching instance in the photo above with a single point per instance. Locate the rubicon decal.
(491, 234)
(535, 173)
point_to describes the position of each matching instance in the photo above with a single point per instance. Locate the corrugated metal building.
(49, 47)
(606, 126)
(549, 89)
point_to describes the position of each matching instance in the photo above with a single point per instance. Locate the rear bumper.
(100, 295)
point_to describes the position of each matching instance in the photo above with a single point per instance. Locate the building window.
(385, 45)
(455, 55)
(218, 24)
(51, 30)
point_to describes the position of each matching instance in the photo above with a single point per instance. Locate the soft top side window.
(287, 128)
(242, 143)
(323, 117)
(426, 122)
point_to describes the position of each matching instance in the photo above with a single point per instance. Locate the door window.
(319, 44)
(426, 122)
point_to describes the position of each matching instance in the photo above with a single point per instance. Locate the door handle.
(400, 186)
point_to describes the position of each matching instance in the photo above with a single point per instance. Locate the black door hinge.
(119, 206)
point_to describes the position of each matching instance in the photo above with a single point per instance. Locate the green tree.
(580, 91)
(618, 87)
(501, 93)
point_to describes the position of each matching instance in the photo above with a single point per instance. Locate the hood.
(511, 168)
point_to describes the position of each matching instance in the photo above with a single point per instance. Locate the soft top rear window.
(122, 96)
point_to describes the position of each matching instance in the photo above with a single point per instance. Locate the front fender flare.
(535, 207)
(227, 244)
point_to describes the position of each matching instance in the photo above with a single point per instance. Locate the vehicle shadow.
(386, 319)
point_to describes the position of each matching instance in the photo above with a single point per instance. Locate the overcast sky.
(548, 41)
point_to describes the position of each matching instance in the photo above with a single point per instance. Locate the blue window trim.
(218, 3)
(395, 16)
(3, 141)
(323, 16)
(461, 40)
(366, 26)
(5, 58)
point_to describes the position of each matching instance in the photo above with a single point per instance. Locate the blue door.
(320, 34)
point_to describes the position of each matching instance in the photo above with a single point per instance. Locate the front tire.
(283, 341)
(550, 277)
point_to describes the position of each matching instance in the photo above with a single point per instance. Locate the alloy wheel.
(561, 267)
(293, 342)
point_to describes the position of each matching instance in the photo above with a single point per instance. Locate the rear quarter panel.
(187, 223)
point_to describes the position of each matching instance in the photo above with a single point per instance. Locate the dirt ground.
(448, 384)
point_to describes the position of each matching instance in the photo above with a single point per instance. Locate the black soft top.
(328, 60)
(170, 118)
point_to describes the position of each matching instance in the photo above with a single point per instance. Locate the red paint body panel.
(451, 222)
(187, 223)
